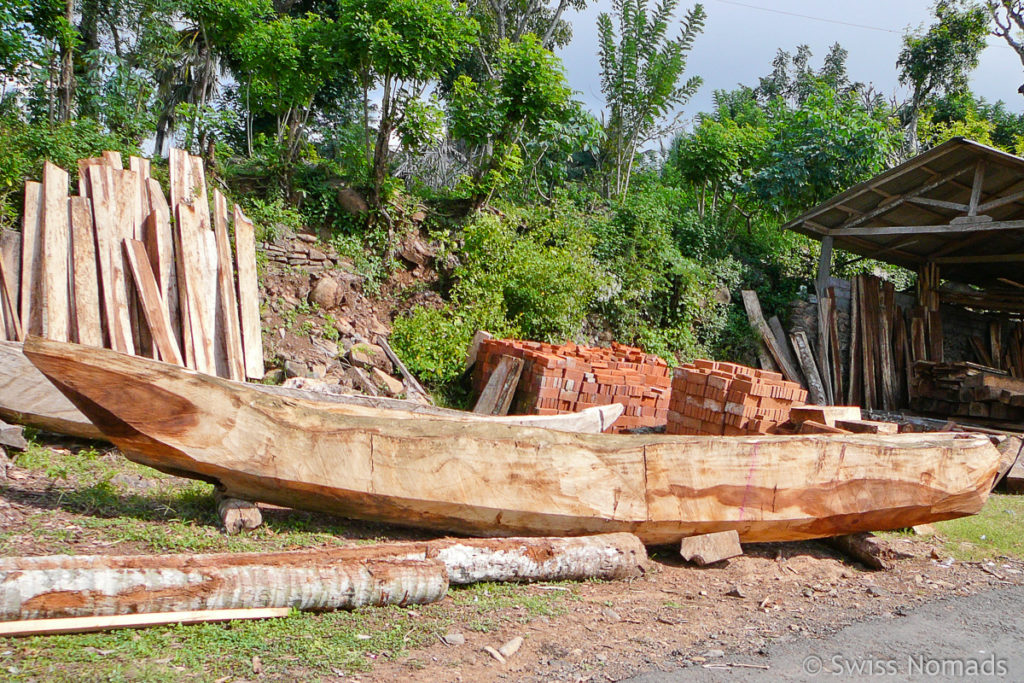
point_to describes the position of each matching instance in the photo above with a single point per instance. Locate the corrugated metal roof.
(883, 218)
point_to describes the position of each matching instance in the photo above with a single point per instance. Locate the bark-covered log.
(72, 586)
(605, 556)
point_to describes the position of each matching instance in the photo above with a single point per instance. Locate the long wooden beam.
(986, 258)
(929, 229)
(942, 204)
(883, 208)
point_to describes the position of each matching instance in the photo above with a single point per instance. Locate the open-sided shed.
(955, 215)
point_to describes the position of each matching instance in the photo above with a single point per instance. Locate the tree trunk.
(67, 69)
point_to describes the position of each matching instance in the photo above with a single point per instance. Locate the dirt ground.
(69, 497)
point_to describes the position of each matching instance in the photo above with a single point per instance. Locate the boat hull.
(497, 479)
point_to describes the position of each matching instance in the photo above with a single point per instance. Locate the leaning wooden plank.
(31, 258)
(102, 585)
(105, 217)
(9, 302)
(854, 383)
(227, 302)
(501, 385)
(181, 177)
(886, 362)
(248, 295)
(496, 479)
(474, 347)
(88, 329)
(6, 328)
(157, 318)
(835, 351)
(44, 627)
(10, 253)
(55, 283)
(211, 294)
(806, 358)
(84, 188)
(190, 286)
(782, 343)
(382, 342)
(126, 206)
(753, 306)
(140, 210)
(199, 193)
(28, 398)
(160, 246)
(823, 351)
(113, 159)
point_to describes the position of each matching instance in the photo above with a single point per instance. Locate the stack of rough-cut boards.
(120, 266)
(966, 389)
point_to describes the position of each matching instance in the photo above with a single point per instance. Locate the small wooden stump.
(710, 548)
(237, 515)
(12, 436)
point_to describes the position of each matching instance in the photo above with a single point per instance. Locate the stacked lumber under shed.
(717, 398)
(563, 379)
(122, 266)
(967, 390)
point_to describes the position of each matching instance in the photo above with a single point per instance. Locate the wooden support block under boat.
(487, 478)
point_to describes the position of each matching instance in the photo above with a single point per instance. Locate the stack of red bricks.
(710, 397)
(569, 378)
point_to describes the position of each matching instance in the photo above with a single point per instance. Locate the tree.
(1008, 16)
(641, 68)
(400, 47)
(526, 97)
(940, 59)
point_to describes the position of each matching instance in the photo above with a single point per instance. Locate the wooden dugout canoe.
(28, 398)
(498, 479)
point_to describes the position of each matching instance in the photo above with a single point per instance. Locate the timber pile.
(569, 378)
(122, 266)
(717, 398)
(881, 351)
(967, 390)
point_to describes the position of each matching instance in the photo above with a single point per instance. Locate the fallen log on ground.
(76, 586)
(866, 549)
(45, 627)
(337, 578)
(605, 556)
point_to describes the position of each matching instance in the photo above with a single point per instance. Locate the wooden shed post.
(824, 266)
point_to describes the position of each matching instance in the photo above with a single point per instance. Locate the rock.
(369, 356)
(714, 654)
(389, 384)
(344, 328)
(414, 250)
(352, 201)
(319, 370)
(923, 530)
(418, 217)
(610, 615)
(736, 592)
(237, 515)
(377, 327)
(453, 639)
(710, 548)
(308, 239)
(296, 369)
(316, 255)
(327, 293)
(494, 653)
(275, 376)
(511, 647)
(876, 592)
(4, 462)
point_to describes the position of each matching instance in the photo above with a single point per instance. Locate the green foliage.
(641, 67)
(820, 148)
(27, 145)
(525, 98)
(530, 273)
(270, 217)
(941, 58)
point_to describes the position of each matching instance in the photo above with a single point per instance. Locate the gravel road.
(966, 638)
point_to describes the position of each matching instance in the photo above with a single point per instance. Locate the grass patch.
(302, 646)
(487, 599)
(996, 531)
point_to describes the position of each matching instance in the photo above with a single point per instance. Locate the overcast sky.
(739, 43)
